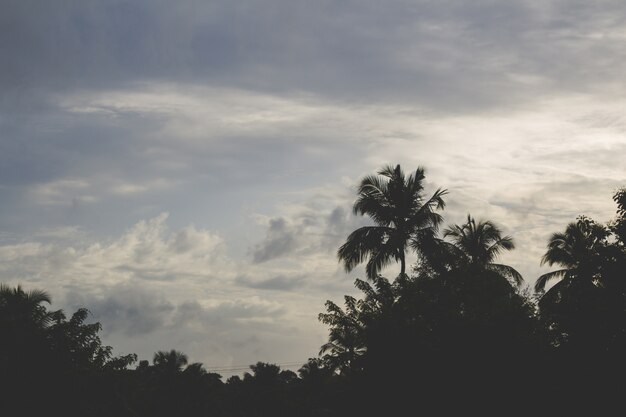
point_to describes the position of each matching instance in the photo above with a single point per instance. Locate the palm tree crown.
(172, 361)
(17, 304)
(478, 244)
(397, 205)
(574, 249)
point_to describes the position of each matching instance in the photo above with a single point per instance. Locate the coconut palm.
(478, 245)
(575, 250)
(19, 306)
(315, 370)
(171, 362)
(401, 214)
(195, 369)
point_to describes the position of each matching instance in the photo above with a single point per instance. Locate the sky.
(186, 170)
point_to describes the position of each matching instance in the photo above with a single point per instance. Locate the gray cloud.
(339, 224)
(280, 240)
(125, 309)
(351, 49)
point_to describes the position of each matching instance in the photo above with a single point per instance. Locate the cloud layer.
(251, 123)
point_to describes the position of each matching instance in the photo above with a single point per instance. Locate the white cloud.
(153, 284)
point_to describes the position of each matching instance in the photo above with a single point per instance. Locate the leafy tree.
(401, 214)
(618, 227)
(78, 343)
(346, 342)
(61, 362)
(379, 298)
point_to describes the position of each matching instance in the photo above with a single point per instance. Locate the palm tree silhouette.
(478, 244)
(396, 204)
(170, 362)
(19, 306)
(575, 250)
(195, 370)
(315, 370)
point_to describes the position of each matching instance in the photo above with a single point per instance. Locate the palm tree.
(575, 250)
(19, 306)
(195, 369)
(171, 362)
(478, 244)
(265, 372)
(315, 370)
(397, 205)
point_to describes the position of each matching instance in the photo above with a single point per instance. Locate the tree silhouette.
(26, 308)
(397, 205)
(315, 370)
(170, 362)
(478, 245)
(263, 372)
(78, 343)
(456, 328)
(60, 361)
(576, 250)
(585, 310)
(346, 342)
(195, 370)
(618, 227)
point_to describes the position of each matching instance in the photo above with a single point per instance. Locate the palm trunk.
(402, 265)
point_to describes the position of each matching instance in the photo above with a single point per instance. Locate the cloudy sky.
(186, 169)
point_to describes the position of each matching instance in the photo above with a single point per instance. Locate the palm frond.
(391, 172)
(437, 199)
(508, 272)
(373, 200)
(499, 245)
(38, 297)
(415, 184)
(378, 260)
(361, 244)
(541, 282)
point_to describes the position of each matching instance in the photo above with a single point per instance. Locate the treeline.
(457, 333)
(51, 364)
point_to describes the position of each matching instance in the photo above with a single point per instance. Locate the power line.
(226, 368)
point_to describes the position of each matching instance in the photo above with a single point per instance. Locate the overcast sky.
(186, 169)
